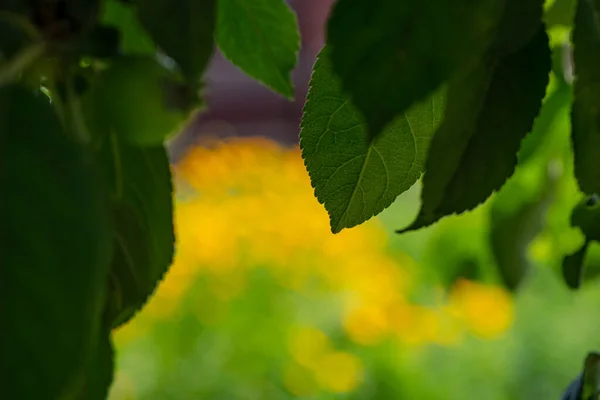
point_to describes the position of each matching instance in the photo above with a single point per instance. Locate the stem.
(21, 61)
(76, 113)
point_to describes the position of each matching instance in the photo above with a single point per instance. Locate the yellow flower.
(339, 372)
(307, 345)
(299, 380)
(487, 310)
(366, 324)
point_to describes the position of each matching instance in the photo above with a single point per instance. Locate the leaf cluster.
(90, 90)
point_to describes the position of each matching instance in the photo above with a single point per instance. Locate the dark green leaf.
(573, 267)
(585, 117)
(100, 369)
(517, 215)
(391, 54)
(134, 40)
(354, 177)
(137, 98)
(12, 39)
(55, 253)
(520, 21)
(183, 29)
(260, 37)
(490, 110)
(586, 216)
(591, 376)
(102, 42)
(140, 178)
(557, 100)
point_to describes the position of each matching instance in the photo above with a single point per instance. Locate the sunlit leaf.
(490, 110)
(353, 176)
(585, 115)
(55, 253)
(391, 54)
(260, 37)
(183, 29)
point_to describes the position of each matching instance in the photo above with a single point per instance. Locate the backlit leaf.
(260, 37)
(391, 54)
(490, 110)
(354, 177)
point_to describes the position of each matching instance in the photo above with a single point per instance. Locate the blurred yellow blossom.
(299, 380)
(307, 345)
(487, 310)
(339, 372)
(252, 206)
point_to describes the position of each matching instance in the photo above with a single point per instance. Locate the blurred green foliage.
(250, 311)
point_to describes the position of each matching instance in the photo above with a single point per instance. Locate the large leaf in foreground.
(390, 53)
(183, 29)
(260, 37)
(585, 118)
(144, 237)
(354, 176)
(56, 250)
(490, 110)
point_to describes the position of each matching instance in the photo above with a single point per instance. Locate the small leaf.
(490, 110)
(183, 29)
(260, 37)
(390, 54)
(586, 216)
(517, 216)
(135, 98)
(585, 116)
(134, 39)
(354, 177)
(142, 189)
(573, 267)
(55, 253)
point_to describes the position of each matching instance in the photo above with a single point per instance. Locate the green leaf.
(141, 100)
(490, 110)
(520, 21)
(354, 177)
(517, 216)
(557, 100)
(573, 267)
(260, 37)
(55, 254)
(391, 54)
(142, 190)
(585, 116)
(100, 369)
(183, 29)
(134, 40)
(586, 216)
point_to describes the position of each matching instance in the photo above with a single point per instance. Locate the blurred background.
(264, 302)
